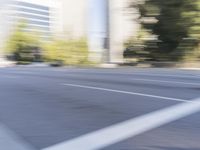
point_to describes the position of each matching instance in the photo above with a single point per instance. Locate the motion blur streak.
(73, 67)
(116, 133)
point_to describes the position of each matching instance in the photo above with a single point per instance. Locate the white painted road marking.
(164, 81)
(10, 141)
(165, 75)
(127, 92)
(193, 76)
(122, 131)
(9, 76)
(148, 80)
(22, 72)
(18, 72)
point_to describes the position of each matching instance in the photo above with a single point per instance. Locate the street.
(44, 108)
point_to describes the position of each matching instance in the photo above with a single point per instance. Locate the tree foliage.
(69, 52)
(21, 44)
(173, 22)
(25, 46)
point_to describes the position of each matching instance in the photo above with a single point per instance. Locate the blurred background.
(89, 32)
(98, 41)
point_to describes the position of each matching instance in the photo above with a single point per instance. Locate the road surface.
(43, 108)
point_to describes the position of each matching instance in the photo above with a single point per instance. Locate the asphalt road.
(110, 109)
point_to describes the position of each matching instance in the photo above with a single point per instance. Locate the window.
(32, 5)
(34, 16)
(33, 11)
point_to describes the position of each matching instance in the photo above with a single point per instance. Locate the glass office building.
(37, 16)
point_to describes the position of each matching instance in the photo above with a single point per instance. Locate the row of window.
(31, 5)
(33, 11)
(37, 16)
(28, 16)
(39, 23)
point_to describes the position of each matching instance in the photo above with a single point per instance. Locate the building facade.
(42, 17)
(36, 16)
(103, 22)
(112, 24)
(122, 26)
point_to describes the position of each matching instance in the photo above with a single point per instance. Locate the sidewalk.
(6, 63)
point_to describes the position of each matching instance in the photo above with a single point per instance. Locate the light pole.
(107, 36)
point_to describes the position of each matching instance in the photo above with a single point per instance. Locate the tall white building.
(115, 25)
(75, 18)
(122, 26)
(44, 17)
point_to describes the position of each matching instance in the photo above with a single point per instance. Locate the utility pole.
(114, 31)
(107, 37)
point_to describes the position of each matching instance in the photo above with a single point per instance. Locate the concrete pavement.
(48, 106)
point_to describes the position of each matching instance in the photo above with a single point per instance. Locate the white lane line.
(9, 76)
(167, 75)
(122, 131)
(146, 74)
(18, 72)
(10, 141)
(23, 72)
(162, 81)
(127, 92)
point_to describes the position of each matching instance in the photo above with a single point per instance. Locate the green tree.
(174, 21)
(69, 52)
(22, 44)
